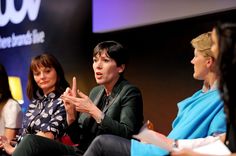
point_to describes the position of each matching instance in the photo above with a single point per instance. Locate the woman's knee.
(28, 139)
(98, 140)
(26, 145)
(103, 139)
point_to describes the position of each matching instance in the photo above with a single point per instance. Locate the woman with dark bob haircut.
(49, 61)
(46, 113)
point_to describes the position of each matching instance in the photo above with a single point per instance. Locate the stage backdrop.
(160, 48)
(31, 27)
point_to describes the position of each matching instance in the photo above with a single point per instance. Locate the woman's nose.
(192, 61)
(42, 75)
(99, 64)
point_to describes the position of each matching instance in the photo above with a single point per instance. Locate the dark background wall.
(160, 54)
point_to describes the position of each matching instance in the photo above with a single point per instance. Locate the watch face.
(99, 120)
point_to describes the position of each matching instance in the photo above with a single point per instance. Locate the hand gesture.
(80, 103)
(71, 113)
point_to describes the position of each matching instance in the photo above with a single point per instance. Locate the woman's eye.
(36, 73)
(106, 60)
(94, 60)
(48, 70)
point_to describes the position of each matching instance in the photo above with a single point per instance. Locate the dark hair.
(226, 34)
(45, 60)
(5, 92)
(114, 50)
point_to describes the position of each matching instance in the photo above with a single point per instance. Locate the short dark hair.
(114, 50)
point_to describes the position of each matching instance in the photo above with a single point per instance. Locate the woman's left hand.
(81, 103)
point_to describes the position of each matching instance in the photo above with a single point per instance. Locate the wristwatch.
(175, 144)
(99, 120)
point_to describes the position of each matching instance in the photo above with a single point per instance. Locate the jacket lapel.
(118, 91)
(99, 96)
(111, 100)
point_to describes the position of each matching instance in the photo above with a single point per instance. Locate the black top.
(123, 115)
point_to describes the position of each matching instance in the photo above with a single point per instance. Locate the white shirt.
(11, 116)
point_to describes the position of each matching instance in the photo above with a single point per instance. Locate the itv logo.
(30, 7)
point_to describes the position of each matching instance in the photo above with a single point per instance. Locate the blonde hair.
(203, 44)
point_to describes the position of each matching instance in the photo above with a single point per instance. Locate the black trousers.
(109, 145)
(33, 145)
(3, 153)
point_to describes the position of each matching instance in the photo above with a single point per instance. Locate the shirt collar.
(213, 87)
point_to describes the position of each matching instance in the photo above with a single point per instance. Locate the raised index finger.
(74, 86)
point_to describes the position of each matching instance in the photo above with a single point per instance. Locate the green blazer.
(123, 115)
